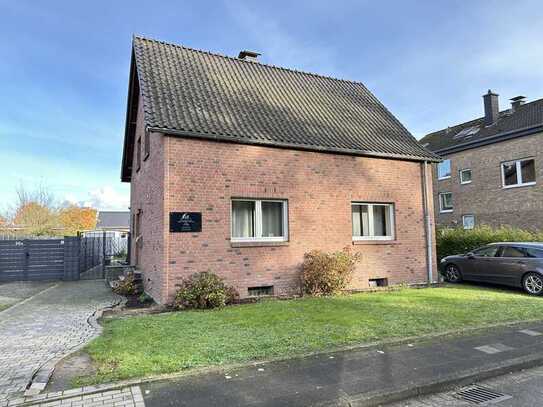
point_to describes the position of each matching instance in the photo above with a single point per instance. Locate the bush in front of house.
(127, 285)
(328, 273)
(203, 291)
(452, 241)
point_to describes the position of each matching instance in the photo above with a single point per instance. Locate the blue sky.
(64, 69)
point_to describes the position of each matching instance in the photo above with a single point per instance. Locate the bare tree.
(34, 210)
(41, 195)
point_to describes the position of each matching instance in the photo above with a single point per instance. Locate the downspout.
(427, 222)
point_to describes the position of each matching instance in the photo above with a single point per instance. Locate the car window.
(534, 253)
(489, 251)
(512, 251)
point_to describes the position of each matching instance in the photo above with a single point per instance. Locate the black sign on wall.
(185, 222)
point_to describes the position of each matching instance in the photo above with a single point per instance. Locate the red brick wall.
(147, 196)
(203, 176)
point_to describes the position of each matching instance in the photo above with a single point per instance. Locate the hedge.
(457, 240)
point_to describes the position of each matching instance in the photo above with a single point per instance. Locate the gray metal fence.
(69, 258)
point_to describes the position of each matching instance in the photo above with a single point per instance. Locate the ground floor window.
(468, 221)
(259, 220)
(445, 202)
(372, 221)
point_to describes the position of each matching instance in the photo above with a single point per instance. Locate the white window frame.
(450, 170)
(464, 221)
(258, 222)
(370, 205)
(441, 210)
(518, 167)
(460, 176)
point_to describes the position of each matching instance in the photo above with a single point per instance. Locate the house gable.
(197, 94)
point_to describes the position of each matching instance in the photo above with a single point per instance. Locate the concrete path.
(41, 330)
(521, 389)
(358, 377)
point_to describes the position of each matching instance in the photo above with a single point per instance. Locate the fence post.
(71, 257)
(26, 261)
(104, 254)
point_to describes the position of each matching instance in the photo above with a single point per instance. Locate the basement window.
(260, 291)
(378, 282)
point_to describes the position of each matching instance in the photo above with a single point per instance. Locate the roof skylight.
(467, 132)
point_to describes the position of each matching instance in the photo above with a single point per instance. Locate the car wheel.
(533, 284)
(452, 274)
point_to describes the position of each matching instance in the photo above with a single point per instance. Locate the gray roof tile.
(196, 93)
(526, 117)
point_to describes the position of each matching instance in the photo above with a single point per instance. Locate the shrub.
(145, 298)
(127, 286)
(327, 273)
(458, 240)
(204, 290)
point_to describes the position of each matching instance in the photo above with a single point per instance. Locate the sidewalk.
(359, 377)
(363, 377)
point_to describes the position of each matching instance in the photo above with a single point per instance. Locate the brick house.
(239, 168)
(492, 167)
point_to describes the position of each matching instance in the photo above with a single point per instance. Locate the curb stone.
(379, 398)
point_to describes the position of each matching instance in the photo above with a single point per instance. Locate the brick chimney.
(492, 108)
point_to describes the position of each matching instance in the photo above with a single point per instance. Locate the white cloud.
(104, 198)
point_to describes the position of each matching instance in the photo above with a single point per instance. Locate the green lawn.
(147, 345)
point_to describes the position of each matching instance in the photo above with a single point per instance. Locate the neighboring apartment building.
(239, 168)
(492, 168)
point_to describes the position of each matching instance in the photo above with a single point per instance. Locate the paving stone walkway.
(47, 327)
(129, 396)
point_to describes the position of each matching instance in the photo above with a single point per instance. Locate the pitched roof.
(113, 220)
(189, 92)
(526, 119)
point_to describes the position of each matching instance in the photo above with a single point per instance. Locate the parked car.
(513, 264)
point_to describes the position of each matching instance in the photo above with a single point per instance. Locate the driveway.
(46, 326)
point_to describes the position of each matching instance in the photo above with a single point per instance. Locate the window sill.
(441, 179)
(528, 184)
(465, 183)
(446, 211)
(258, 244)
(376, 242)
